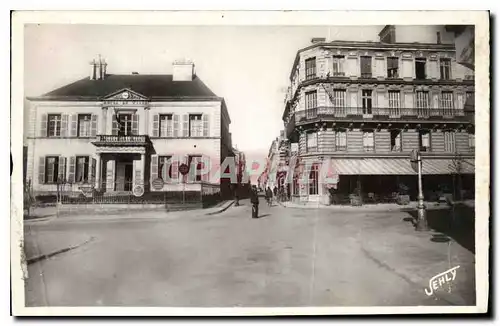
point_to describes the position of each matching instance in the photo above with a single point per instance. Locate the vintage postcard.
(250, 163)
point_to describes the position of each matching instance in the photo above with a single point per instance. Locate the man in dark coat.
(269, 195)
(254, 199)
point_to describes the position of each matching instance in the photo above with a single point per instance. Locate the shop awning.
(400, 166)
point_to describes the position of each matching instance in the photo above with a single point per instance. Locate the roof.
(151, 86)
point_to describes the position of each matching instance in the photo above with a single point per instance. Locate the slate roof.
(151, 86)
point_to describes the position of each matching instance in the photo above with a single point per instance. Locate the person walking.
(269, 196)
(254, 199)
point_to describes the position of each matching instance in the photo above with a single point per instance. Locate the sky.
(247, 65)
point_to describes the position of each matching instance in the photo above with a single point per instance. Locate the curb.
(222, 209)
(54, 253)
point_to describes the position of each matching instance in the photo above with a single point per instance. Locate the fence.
(207, 195)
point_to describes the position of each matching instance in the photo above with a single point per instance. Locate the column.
(146, 121)
(104, 121)
(98, 172)
(143, 169)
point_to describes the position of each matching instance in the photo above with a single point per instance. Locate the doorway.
(124, 176)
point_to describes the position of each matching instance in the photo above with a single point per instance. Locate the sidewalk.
(48, 214)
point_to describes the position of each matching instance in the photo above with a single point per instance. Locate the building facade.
(366, 105)
(277, 162)
(116, 133)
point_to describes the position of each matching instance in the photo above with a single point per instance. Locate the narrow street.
(287, 257)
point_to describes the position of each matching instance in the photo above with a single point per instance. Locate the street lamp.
(416, 160)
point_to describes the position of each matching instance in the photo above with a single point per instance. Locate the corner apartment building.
(367, 105)
(113, 133)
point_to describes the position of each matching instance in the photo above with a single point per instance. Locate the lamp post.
(422, 225)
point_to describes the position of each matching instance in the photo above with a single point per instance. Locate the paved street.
(287, 257)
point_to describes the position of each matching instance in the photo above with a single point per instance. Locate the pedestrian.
(269, 196)
(254, 199)
(275, 191)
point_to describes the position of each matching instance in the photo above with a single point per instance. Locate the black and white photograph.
(325, 161)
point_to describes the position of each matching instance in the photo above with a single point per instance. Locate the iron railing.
(330, 112)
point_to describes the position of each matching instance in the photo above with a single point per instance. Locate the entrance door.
(128, 177)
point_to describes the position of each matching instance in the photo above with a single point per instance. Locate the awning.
(400, 166)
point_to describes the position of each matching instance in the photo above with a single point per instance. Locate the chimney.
(183, 70)
(92, 69)
(315, 40)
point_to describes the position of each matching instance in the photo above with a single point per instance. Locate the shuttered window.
(314, 179)
(84, 125)
(366, 97)
(472, 141)
(312, 142)
(165, 167)
(446, 103)
(339, 98)
(338, 65)
(340, 140)
(82, 169)
(195, 164)
(424, 140)
(449, 141)
(166, 125)
(311, 100)
(311, 68)
(124, 124)
(423, 105)
(445, 69)
(396, 140)
(394, 103)
(54, 125)
(195, 125)
(369, 141)
(51, 169)
(392, 67)
(366, 67)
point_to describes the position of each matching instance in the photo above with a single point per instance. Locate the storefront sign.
(157, 184)
(138, 191)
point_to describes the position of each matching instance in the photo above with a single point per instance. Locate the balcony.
(379, 114)
(122, 140)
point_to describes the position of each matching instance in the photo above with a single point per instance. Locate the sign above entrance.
(183, 169)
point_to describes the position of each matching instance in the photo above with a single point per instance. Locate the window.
(54, 121)
(195, 164)
(422, 103)
(124, 124)
(82, 169)
(341, 141)
(51, 169)
(446, 102)
(311, 68)
(369, 141)
(195, 125)
(338, 65)
(84, 121)
(472, 141)
(394, 103)
(424, 140)
(392, 67)
(396, 141)
(311, 100)
(366, 67)
(313, 179)
(420, 68)
(166, 125)
(449, 141)
(366, 97)
(445, 68)
(166, 161)
(312, 142)
(339, 98)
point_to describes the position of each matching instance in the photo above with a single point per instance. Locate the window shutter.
(43, 127)
(93, 127)
(175, 168)
(115, 125)
(185, 125)
(41, 170)
(92, 170)
(135, 124)
(71, 173)
(156, 125)
(185, 160)
(206, 130)
(154, 167)
(64, 125)
(74, 125)
(176, 125)
(62, 170)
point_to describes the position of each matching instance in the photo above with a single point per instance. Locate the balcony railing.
(326, 112)
(122, 139)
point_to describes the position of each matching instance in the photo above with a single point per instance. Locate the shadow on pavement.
(260, 216)
(456, 222)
